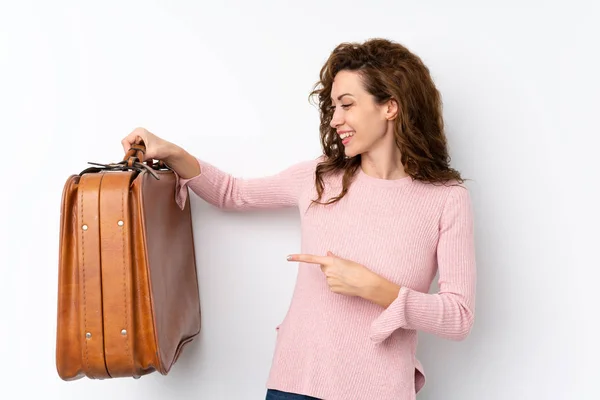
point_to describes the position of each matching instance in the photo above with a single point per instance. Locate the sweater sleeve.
(233, 193)
(450, 312)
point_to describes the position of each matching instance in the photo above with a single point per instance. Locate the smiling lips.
(346, 136)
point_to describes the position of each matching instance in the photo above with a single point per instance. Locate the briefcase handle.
(133, 160)
(137, 152)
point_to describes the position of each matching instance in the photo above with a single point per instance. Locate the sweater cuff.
(181, 189)
(392, 318)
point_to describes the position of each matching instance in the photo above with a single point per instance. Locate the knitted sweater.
(338, 347)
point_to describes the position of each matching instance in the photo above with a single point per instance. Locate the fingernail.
(289, 257)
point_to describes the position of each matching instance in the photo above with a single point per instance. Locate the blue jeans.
(273, 394)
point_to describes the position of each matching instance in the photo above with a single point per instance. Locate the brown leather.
(128, 296)
(90, 276)
(135, 153)
(117, 271)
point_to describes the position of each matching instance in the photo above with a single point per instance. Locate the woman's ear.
(391, 109)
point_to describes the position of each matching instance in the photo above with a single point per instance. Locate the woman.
(382, 211)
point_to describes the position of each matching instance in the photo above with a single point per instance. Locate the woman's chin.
(349, 153)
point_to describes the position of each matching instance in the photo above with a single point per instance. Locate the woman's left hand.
(343, 276)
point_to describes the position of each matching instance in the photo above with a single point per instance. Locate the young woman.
(382, 211)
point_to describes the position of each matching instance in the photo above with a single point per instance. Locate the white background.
(229, 80)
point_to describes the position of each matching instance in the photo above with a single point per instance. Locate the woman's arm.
(182, 163)
(219, 188)
(450, 312)
(229, 192)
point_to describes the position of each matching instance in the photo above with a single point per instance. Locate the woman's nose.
(336, 120)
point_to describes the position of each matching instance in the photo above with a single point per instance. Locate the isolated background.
(229, 80)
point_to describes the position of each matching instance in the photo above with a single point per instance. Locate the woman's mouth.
(346, 136)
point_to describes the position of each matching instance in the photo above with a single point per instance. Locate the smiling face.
(363, 125)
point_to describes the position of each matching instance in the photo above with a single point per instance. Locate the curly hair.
(388, 70)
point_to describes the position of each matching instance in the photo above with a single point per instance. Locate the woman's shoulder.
(304, 167)
(445, 194)
(443, 187)
(450, 198)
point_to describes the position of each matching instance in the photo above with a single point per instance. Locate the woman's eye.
(344, 106)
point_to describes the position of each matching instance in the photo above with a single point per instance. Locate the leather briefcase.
(128, 296)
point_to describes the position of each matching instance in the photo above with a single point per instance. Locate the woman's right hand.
(179, 160)
(156, 148)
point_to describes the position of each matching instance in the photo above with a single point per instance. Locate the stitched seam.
(124, 273)
(87, 359)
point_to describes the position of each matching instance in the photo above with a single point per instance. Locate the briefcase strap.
(90, 277)
(116, 246)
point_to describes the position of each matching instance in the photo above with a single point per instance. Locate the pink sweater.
(337, 347)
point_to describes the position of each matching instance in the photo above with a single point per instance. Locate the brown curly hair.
(388, 71)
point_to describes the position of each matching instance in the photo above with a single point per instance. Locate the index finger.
(308, 258)
(131, 138)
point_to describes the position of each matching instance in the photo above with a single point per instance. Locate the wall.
(229, 81)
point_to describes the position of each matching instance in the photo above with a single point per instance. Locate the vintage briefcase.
(128, 296)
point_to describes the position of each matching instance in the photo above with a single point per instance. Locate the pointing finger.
(308, 258)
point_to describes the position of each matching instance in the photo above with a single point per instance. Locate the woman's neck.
(383, 162)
